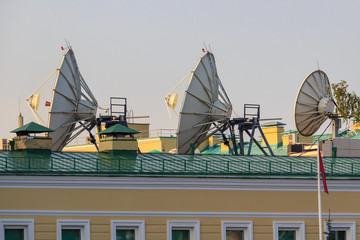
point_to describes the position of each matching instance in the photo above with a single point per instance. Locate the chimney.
(119, 140)
(20, 120)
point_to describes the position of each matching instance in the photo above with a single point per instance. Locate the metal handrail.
(164, 166)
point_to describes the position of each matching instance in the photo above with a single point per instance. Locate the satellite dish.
(205, 104)
(314, 103)
(72, 102)
(206, 109)
(35, 101)
(173, 100)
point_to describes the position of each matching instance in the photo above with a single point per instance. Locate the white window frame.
(137, 225)
(349, 227)
(298, 226)
(83, 225)
(26, 224)
(246, 226)
(193, 226)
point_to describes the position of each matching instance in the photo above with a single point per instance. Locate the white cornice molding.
(236, 184)
(174, 214)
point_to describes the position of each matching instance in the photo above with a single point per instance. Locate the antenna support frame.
(250, 121)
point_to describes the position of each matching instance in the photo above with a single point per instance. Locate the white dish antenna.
(72, 102)
(206, 107)
(314, 103)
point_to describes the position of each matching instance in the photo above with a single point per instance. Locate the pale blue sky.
(142, 49)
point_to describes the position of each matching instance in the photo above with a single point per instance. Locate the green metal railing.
(166, 166)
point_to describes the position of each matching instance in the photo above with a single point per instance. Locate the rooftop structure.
(118, 139)
(24, 142)
(118, 129)
(31, 128)
(159, 164)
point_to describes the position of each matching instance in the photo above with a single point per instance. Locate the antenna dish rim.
(296, 104)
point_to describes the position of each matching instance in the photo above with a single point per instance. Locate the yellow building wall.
(111, 143)
(23, 142)
(162, 144)
(226, 148)
(203, 145)
(143, 128)
(92, 148)
(285, 140)
(303, 139)
(273, 135)
(356, 126)
(213, 140)
(149, 144)
(80, 148)
(175, 201)
(168, 143)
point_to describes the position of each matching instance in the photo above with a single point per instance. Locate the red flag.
(47, 104)
(322, 171)
(203, 50)
(62, 48)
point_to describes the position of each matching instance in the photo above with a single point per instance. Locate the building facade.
(174, 197)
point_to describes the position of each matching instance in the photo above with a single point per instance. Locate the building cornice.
(174, 214)
(224, 184)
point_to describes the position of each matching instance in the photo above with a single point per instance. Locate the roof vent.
(27, 138)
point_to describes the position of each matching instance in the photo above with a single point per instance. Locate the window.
(73, 229)
(183, 230)
(289, 230)
(17, 229)
(237, 230)
(180, 234)
(70, 234)
(342, 230)
(14, 234)
(127, 230)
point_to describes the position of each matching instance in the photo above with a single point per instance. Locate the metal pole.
(251, 138)
(319, 193)
(266, 142)
(257, 143)
(233, 139)
(241, 140)
(335, 127)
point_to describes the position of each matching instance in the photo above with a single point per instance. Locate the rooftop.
(278, 150)
(289, 132)
(32, 127)
(161, 164)
(118, 128)
(272, 124)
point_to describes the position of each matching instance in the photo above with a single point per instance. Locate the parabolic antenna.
(206, 107)
(72, 102)
(314, 103)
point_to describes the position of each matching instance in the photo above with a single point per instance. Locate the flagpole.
(319, 192)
